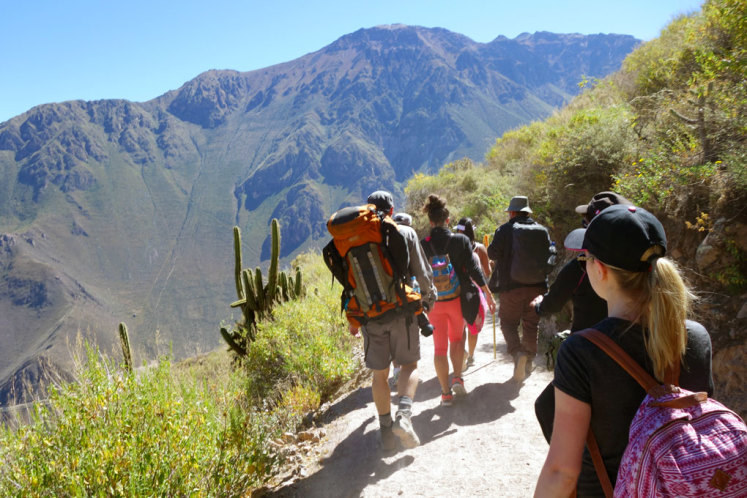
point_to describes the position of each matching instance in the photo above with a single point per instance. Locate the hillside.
(120, 211)
(667, 131)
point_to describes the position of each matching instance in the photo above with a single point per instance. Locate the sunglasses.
(583, 258)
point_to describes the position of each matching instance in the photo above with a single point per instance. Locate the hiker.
(572, 284)
(624, 256)
(480, 253)
(456, 276)
(524, 255)
(389, 340)
(404, 219)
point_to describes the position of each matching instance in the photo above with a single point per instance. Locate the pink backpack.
(680, 443)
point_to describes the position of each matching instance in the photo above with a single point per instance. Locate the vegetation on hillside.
(667, 131)
(203, 428)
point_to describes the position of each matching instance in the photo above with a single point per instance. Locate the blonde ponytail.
(664, 302)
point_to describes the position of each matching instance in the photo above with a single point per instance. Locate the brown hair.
(435, 208)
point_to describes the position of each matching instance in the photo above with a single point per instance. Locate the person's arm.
(482, 254)
(421, 269)
(561, 290)
(563, 463)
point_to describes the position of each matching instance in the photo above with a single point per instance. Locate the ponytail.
(664, 301)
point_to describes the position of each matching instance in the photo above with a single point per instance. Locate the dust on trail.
(487, 444)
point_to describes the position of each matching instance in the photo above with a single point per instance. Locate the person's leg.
(406, 351)
(472, 345)
(456, 344)
(439, 320)
(509, 315)
(529, 321)
(377, 358)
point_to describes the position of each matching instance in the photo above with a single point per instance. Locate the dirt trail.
(487, 444)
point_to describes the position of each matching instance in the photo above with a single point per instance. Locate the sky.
(53, 51)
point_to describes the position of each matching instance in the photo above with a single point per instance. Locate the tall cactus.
(124, 341)
(255, 298)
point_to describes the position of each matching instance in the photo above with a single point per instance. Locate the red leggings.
(448, 324)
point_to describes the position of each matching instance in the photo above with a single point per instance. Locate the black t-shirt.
(589, 375)
(572, 282)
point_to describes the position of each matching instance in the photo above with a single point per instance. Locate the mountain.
(116, 211)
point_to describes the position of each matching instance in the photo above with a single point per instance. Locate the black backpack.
(533, 254)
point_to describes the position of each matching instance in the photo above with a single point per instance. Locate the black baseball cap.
(599, 203)
(620, 235)
(382, 199)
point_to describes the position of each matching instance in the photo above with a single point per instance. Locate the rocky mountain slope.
(117, 211)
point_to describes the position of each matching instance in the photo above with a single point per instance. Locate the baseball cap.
(402, 219)
(382, 200)
(620, 235)
(599, 203)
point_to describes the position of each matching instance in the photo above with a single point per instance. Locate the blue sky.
(52, 50)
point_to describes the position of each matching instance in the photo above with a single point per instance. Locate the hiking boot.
(402, 428)
(530, 366)
(447, 399)
(520, 366)
(387, 438)
(457, 385)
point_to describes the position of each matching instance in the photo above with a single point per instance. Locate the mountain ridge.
(126, 208)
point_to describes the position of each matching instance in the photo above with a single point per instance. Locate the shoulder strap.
(614, 351)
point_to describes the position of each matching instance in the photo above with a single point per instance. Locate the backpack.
(444, 276)
(369, 257)
(533, 254)
(680, 443)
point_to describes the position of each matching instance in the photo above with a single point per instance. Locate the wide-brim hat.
(620, 235)
(402, 219)
(519, 203)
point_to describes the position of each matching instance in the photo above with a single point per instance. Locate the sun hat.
(519, 203)
(620, 235)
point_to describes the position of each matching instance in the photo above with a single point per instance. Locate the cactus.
(124, 340)
(255, 298)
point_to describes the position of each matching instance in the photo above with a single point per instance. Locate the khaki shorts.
(391, 340)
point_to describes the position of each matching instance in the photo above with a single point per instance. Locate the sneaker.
(520, 365)
(387, 438)
(447, 399)
(402, 428)
(470, 361)
(457, 385)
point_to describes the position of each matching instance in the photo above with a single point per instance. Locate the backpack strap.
(614, 351)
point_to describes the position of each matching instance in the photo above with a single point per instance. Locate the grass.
(205, 427)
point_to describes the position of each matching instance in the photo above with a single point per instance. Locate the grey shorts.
(391, 340)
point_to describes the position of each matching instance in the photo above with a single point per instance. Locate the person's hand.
(536, 301)
(354, 331)
(491, 301)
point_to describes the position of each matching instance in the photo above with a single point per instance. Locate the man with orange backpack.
(371, 257)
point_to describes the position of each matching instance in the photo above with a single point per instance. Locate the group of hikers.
(622, 287)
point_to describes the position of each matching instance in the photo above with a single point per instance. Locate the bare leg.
(381, 392)
(408, 380)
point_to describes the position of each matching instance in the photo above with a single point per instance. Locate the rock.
(305, 436)
(742, 311)
(706, 255)
(289, 437)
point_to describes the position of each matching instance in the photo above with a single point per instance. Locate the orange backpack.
(369, 257)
